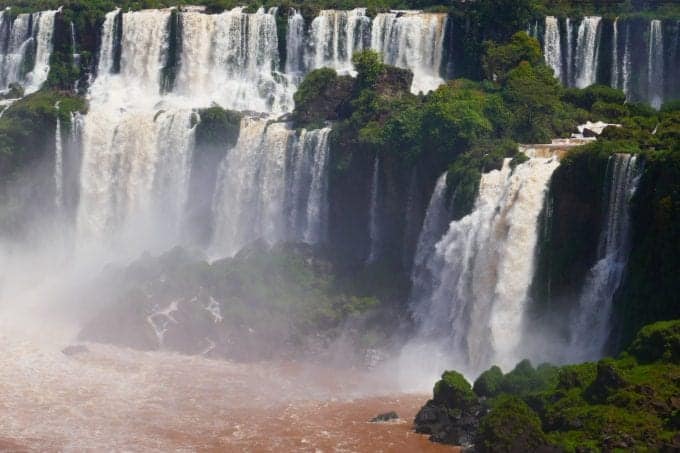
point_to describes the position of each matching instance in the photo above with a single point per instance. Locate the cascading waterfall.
(414, 41)
(615, 55)
(271, 186)
(231, 59)
(482, 268)
(626, 64)
(552, 46)
(28, 35)
(434, 227)
(655, 65)
(58, 163)
(295, 43)
(407, 39)
(335, 37)
(587, 45)
(591, 323)
(308, 190)
(570, 53)
(106, 52)
(641, 71)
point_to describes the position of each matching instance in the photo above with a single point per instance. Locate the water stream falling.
(272, 185)
(58, 163)
(482, 268)
(641, 71)
(655, 65)
(591, 324)
(552, 47)
(28, 35)
(587, 46)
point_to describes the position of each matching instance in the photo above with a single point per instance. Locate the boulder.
(386, 417)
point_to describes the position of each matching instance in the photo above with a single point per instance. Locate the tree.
(499, 59)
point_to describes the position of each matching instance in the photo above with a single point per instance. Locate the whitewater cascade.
(406, 39)
(27, 36)
(413, 41)
(272, 185)
(482, 268)
(591, 323)
(58, 163)
(587, 45)
(655, 65)
(552, 47)
(574, 50)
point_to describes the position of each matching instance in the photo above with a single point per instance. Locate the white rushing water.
(591, 323)
(335, 37)
(232, 59)
(587, 46)
(272, 185)
(553, 46)
(406, 39)
(27, 34)
(413, 41)
(482, 268)
(640, 71)
(58, 163)
(655, 65)
(615, 55)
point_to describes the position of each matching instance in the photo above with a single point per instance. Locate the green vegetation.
(217, 129)
(27, 128)
(629, 403)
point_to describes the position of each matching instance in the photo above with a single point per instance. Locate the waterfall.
(414, 41)
(591, 323)
(27, 36)
(335, 36)
(587, 46)
(626, 64)
(308, 188)
(655, 65)
(106, 53)
(231, 59)
(553, 46)
(570, 52)
(295, 46)
(271, 186)
(58, 163)
(434, 227)
(615, 55)
(373, 213)
(482, 269)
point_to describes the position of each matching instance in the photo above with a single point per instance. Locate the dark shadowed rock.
(386, 417)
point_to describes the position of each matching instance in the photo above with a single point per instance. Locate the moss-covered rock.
(488, 384)
(614, 404)
(659, 341)
(322, 96)
(510, 426)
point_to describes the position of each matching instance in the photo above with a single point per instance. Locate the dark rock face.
(386, 417)
(447, 426)
(453, 415)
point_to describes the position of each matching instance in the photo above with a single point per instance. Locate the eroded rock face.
(453, 415)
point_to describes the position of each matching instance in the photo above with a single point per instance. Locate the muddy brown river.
(112, 399)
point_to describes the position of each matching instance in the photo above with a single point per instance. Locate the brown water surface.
(116, 399)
